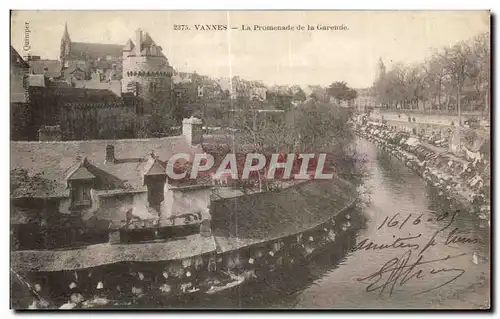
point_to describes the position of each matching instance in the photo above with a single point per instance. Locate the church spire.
(66, 33)
(65, 42)
(381, 69)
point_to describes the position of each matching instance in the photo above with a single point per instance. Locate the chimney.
(192, 129)
(138, 41)
(49, 133)
(110, 154)
(96, 76)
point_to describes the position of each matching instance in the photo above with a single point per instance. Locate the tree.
(317, 127)
(452, 76)
(456, 66)
(434, 77)
(299, 95)
(341, 92)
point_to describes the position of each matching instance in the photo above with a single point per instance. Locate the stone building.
(135, 80)
(147, 72)
(90, 57)
(18, 77)
(111, 186)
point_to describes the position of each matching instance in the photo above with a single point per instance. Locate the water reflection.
(396, 190)
(330, 280)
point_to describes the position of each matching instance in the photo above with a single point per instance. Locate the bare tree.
(458, 74)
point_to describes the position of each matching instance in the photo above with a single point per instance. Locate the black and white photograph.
(245, 159)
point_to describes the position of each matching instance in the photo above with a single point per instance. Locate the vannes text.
(200, 27)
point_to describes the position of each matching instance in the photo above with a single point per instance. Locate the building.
(147, 73)
(138, 67)
(280, 96)
(136, 78)
(89, 57)
(19, 94)
(258, 91)
(191, 87)
(366, 99)
(116, 186)
(18, 77)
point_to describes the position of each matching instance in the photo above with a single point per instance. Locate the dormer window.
(80, 196)
(155, 179)
(81, 182)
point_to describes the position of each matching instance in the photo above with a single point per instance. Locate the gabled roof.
(147, 41)
(146, 46)
(16, 59)
(53, 162)
(129, 45)
(157, 168)
(81, 173)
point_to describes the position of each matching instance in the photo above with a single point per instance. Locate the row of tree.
(452, 79)
(312, 127)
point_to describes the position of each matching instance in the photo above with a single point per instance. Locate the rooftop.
(42, 168)
(51, 68)
(95, 50)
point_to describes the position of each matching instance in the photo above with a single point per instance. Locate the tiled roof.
(95, 50)
(129, 45)
(81, 173)
(157, 168)
(255, 218)
(53, 162)
(146, 46)
(177, 79)
(104, 254)
(53, 67)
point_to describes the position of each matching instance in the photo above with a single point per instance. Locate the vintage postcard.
(250, 159)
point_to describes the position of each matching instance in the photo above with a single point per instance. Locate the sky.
(303, 57)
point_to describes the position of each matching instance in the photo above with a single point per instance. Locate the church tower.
(380, 72)
(147, 74)
(65, 44)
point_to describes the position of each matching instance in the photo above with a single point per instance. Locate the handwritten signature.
(400, 270)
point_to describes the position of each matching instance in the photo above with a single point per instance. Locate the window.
(153, 87)
(156, 193)
(139, 110)
(80, 196)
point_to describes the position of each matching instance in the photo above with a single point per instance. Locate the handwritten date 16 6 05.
(398, 221)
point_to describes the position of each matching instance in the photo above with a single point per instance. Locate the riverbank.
(252, 238)
(464, 181)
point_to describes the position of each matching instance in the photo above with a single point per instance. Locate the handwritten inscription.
(409, 266)
(401, 270)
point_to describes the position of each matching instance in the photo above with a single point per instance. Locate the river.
(332, 280)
